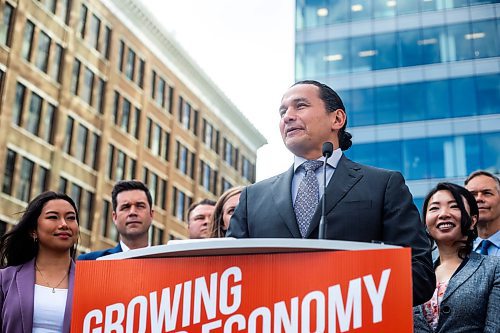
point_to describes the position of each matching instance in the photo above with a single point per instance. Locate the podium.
(246, 285)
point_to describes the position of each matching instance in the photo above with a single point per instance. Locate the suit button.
(446, 309)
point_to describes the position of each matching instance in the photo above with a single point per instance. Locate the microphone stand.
(327, 152)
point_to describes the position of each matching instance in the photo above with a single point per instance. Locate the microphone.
(327, 150)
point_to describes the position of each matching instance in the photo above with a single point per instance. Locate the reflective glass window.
(311, 13)
(56, 63)
(361, 9)
(415, 159)
(42, 56)
(95, 27)
(384, 8)
(433, 45)
(314, 61)
(472, 153)
(29, 30)
(437, 99)
(125, 115)
(336, 58)
(457, 3)
(87, 87)
(8, 10)
(362, 112)
(339, 11)
(387, 104)
(412, 97)
(389, 155)
(409, 50)
(490, 151)
(48, 123)
(484, 39)
(407, 6)
(25, 180)
(18, 104)
(362, 54)
(385, 52)
(459, 45)
(436, 148)
(81, 143)
(35, 111)
(488, 93)
(364, 153)
(463, 97)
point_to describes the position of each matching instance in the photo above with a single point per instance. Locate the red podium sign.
(331, 291)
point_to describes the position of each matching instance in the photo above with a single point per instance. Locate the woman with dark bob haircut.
(37, 260)
(467, 294)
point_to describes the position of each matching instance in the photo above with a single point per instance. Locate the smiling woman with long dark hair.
(467, 294)
(37, 260)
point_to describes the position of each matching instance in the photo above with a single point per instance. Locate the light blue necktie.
(485, 244)
(307, 196)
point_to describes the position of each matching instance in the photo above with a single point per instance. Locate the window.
(42, 56)
(56, 64)
(156, 139)
(69, 136)
(5, 27)
(48, 123)
(35, 110)
(109, 163)
(120, 166)
(88, 86)
(29, 31)
(63, 185)
(25, 180)
(87, 210)
(140, 78)
(8, 175)
(125, 115)
(100, 90)
(136, 123)
(155, 235)
(75, 78)
(95, 27)
(93, 152)
(130, 68)
(121, 52)
(17, 110)
(83, 21)
(81, 143)
(43, 179)
(107, 41)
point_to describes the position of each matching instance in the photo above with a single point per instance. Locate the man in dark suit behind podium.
(132, 216)
(364, 204)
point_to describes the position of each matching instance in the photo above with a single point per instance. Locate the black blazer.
(97, 254)
(364, 204)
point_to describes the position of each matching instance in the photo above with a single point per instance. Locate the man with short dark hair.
(199, 215)
(485, 187)
(364, 204)
(132, 216)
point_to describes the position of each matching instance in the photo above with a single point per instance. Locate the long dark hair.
(18, 245)
(459, 193)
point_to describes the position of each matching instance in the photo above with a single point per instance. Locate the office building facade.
(97, 91)
(420, 80)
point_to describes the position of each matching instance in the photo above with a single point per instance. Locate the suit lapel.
(463, 275)
(25, 281)
(346, 175)
(69, 298)
(282, 196)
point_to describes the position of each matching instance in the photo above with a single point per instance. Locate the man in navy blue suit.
(132, 216)
(364, 203)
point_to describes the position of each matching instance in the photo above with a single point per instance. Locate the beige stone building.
(96, 91)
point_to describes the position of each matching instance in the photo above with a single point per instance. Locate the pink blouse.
(431, 307)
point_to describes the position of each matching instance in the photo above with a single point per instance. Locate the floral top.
(431, 307)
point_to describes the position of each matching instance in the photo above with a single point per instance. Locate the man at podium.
(364, 204)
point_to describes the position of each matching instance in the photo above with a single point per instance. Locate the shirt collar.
(495, 239)
(125, 248)
(333, 161)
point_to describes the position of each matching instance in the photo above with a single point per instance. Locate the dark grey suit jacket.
(364, 204)
(471, 303)
(97, 254)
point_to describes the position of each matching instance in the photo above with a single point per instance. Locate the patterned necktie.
(485, 244)
(307, 196)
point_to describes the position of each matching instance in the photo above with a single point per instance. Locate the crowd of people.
(457, 292)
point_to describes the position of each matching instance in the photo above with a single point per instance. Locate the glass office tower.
(420, 80)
